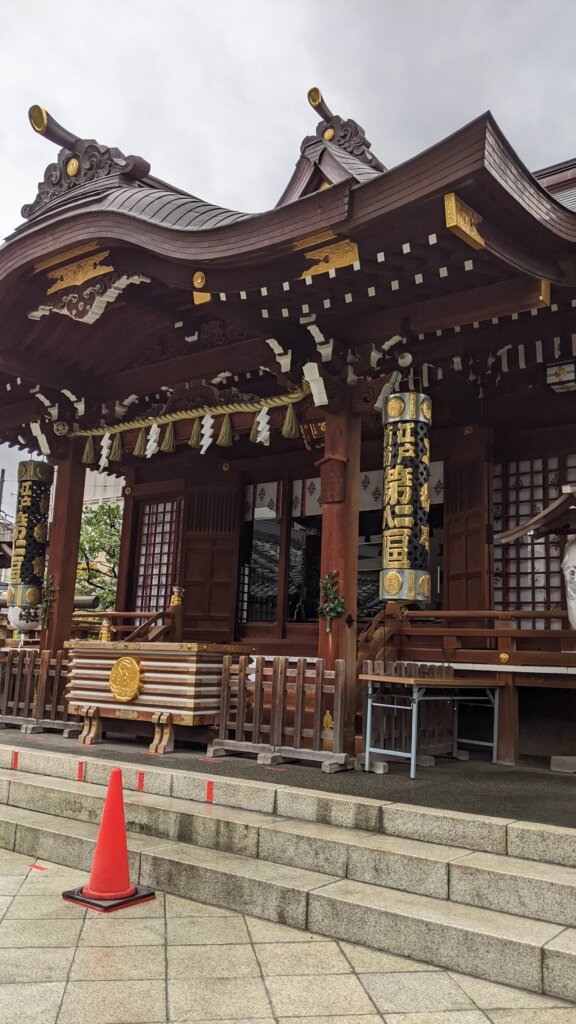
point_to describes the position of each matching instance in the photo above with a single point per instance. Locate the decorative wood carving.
(87, 303)
(80, 162)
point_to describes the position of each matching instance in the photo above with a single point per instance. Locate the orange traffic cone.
(109, 887)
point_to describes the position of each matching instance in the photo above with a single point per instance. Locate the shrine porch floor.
(528, 791)
(175, 960)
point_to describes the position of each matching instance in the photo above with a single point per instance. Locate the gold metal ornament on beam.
(331, 257)
(463, 221)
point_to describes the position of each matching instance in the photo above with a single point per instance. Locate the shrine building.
(240, 373)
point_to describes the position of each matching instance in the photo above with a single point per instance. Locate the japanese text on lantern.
(406, 503)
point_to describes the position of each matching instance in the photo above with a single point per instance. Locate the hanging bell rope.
(195, 439)
(224, 439)
(140, 446)
(290, 426)
(169, 441)
(89, 456)
(116, 449)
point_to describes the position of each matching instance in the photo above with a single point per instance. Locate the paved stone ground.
(527, 792)
(173, 960)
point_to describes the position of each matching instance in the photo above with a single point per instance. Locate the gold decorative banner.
(24, 594)
(405, 531)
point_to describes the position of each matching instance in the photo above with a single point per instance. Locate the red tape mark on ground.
(14, 760)
(212, 760)
(209, 792)
(81, 769)
(272, 768)
(37, 867)
(140, 780)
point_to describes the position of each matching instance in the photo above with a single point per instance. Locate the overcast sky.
(213, 94)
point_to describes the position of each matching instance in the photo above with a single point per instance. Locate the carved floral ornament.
(80, 162)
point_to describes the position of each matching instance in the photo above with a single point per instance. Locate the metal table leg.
(368, 727)
(414, 737)
(495, 733)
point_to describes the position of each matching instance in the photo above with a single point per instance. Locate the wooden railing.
(283, 708)
(127, 626)
(31, 690)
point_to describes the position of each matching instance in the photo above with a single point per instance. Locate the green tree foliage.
(99, 552)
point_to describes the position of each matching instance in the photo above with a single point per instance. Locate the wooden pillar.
(125, 561)
(284, 554)
(340, 474)
(508, 722)
(63, 550)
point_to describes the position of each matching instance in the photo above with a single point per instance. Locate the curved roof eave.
(184, 228)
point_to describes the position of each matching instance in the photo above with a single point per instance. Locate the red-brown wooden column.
(63, 550)
(124, 585)
(340, 472)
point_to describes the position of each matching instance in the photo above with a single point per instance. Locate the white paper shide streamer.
(263, 421)
(206, 433)
(105, 446)
(153, 441)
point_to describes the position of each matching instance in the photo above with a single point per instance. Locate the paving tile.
(106, 963)
(177, 906)
(5, 902)
(269, 931)
(31, 1004)
(442, 1017)
(281, 958)
(37, 908)
(54, 880)
(309, 995)
(415, 993)
(10, 884)
(152, 908)
(113, 1002)
(372, 961)
(14, 863)
(488, 995)
(227, 998)
(192, 961)
(559, 1015)
(33, 965)
(15, 933)
(373, 1018)
(205, 931)
(234, 1020)
(112, 931)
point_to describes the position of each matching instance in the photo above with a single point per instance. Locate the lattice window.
(158, 553)
(527, 573)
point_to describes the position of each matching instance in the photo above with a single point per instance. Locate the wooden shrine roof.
(119, 288)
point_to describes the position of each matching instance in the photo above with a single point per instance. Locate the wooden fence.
(31, 690)
(283, 709)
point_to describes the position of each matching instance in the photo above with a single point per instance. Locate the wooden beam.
(28, 411)
(47, 372)
(502, 299)
(237, 358)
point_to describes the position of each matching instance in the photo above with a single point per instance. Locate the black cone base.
(142, 894)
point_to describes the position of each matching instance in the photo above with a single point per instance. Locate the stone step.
(444, 828)
(495, 946)
(492, 881)
(499, 947)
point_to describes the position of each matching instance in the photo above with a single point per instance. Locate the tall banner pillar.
(405, 574)
(24, 595)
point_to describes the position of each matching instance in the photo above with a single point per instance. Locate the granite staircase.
(481, 895)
